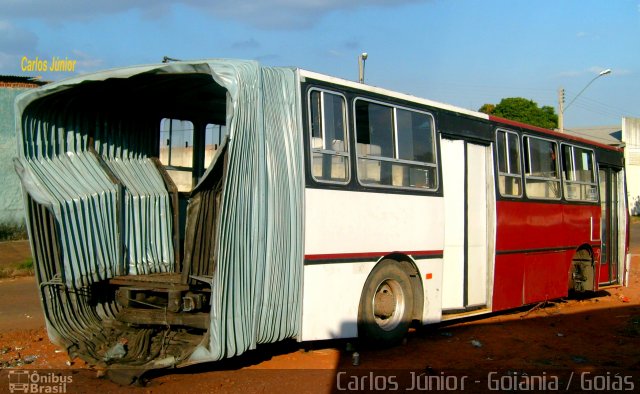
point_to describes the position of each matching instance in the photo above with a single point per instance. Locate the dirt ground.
(578, 344)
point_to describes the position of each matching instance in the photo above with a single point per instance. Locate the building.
(631, 138)
(11, 206)
(626, 135)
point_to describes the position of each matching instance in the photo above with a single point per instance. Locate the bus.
(189, 211)
(19, 380)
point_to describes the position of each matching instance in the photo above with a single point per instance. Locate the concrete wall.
(11, 207)
(631, 137)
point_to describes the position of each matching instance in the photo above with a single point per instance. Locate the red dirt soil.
(599, 336)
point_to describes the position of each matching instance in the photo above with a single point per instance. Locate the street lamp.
(561, 98)
(361, 60)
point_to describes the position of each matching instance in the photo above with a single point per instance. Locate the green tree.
(523, 110)
(488, 109)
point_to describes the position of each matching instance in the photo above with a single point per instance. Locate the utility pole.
(561, 110)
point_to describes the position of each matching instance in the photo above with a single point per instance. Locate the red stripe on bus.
(343, 256)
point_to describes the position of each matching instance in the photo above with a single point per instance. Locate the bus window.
(414, 137)
(214, 135)
(579, 174)
(176, 151)
(329, 147)
(509, 172)
(541, 169)
(395, 146)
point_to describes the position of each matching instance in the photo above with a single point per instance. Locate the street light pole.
(361, 60)
(561, 106)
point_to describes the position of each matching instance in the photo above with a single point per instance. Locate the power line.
(617, 109)
(597, 110)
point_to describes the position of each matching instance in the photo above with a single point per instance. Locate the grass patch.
(19, 269)
(12, 232)
(26, 265)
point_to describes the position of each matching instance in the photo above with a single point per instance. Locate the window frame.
(594, 172)
(221, 138)
(508, 161)
(178, 173)
(434, 146)
(527, 162)
(170, 166)
(346, 153)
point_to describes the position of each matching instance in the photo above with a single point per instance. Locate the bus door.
(613, 221)
(467, 172)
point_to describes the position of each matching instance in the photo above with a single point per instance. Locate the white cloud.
(570, 74)
(287, 14)
(86, 62)
(595, 70)
(15, 40)
(589, 72)
(68, 9)
(584, 35)
(268, 14)
(9, 63)
(621, 71)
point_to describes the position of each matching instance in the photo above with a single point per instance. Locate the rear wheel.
(581, 276)
(386, 305)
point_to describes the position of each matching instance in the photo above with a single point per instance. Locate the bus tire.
(386, 305)
(582, 273)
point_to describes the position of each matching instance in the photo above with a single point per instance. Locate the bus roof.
(452, 108)
(195, 66)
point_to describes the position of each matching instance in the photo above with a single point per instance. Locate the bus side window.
(176, 151)
(509, 172)
(374, 128)
(395, 146)
(541, 177)
(328, 127)
(579, 175)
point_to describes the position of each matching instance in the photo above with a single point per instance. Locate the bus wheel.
(386, 305)
(581, 276)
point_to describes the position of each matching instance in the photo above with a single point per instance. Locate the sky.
(461, 52)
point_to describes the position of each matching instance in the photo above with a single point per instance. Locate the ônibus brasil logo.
(25, 381)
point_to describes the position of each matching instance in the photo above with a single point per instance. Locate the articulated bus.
(193, 210)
